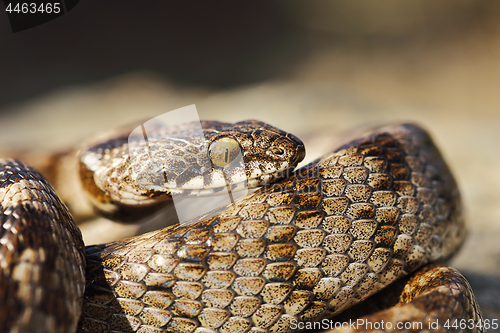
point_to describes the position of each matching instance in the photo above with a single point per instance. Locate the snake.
(360, 234)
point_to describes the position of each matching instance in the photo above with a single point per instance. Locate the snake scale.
(316, 243)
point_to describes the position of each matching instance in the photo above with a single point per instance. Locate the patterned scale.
(309, 247)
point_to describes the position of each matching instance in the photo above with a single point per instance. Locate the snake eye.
(224, 151)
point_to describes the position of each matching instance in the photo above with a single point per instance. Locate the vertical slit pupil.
(226, 155)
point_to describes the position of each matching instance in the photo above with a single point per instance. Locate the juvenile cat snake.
(306, 248)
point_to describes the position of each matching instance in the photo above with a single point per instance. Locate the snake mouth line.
(250, 184)
(205, 192)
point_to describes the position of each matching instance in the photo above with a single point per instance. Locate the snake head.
(124, 175)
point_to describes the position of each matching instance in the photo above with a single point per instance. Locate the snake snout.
(300, 150)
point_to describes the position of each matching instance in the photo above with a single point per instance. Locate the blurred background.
(318, 69)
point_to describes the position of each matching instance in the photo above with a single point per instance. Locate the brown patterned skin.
(41, 255)
(304, 249)
(435, 298)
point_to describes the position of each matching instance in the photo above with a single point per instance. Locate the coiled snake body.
(306, 248)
